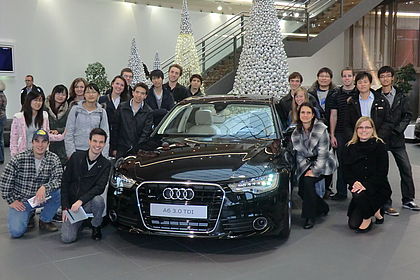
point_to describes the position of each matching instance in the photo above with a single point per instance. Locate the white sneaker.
(411, 205)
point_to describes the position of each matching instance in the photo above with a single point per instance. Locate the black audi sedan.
(219, 170)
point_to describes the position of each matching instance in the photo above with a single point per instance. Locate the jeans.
(2, 123)
(95, 206)
(404, 167)
(18, 220)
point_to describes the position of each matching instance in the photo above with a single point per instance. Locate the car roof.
(243, 98)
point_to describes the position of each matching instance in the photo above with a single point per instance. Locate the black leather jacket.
(401, 116)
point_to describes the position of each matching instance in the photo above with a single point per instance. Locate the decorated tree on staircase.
(185, 51)
(136, 64)
(263, 68)
(156, 63)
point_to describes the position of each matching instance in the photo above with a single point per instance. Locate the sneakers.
(96, 233)
(392, 212)
(411, 205)
(328, 193)
(58, 218)
(50, 227)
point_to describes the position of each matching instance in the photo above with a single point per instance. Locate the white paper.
(78, 216)
(34, 203)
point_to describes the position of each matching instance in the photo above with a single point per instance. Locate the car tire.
(287, 222)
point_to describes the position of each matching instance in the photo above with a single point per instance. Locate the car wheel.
(287, 222)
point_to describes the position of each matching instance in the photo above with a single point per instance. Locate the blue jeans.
(18, 220)
(2, 123)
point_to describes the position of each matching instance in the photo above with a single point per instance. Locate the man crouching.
(84, 180)
(31, 180)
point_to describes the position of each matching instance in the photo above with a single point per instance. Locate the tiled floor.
(329, 251)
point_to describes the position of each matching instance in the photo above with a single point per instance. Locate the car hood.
(194, 160)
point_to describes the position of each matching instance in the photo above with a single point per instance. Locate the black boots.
(96, 233)
(309, 223)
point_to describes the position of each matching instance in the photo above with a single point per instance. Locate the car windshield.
(220, 120)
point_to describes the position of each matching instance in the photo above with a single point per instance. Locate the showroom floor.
(328, 251)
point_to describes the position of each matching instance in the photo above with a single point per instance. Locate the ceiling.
(215, 6)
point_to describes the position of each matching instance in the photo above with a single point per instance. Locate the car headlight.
(256, 185)
(121, 181)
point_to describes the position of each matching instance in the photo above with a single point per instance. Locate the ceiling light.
(219, 8)
(296, 14)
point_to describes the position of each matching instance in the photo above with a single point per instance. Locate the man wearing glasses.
(401, 117)
(368, 103)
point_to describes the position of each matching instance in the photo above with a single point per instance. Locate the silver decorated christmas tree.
(156, 63)
(263, 67)
(185, 51)
(135, 63)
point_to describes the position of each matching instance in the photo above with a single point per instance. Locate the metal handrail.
(225, 25)
(233, 30)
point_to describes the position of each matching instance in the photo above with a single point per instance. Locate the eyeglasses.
(385, 76)
(364, 127)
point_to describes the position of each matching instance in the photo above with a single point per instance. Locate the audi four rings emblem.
(178, 193)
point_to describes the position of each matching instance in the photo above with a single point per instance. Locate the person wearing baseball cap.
(31, 180)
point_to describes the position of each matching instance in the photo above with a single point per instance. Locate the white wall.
(56, 39)
(331, 56)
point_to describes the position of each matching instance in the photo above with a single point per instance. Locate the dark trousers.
(341, 185)
(363, 209)
(312, 204)
(406, 175)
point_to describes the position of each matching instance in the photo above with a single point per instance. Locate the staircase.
(221, 69)
(323, 20)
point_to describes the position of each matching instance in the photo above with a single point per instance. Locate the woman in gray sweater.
(83, 117)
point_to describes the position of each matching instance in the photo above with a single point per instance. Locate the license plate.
(178, 211)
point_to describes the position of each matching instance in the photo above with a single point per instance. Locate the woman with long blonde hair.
(365, 171)
(301, 96)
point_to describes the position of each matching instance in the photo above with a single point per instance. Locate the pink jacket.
(18, 133)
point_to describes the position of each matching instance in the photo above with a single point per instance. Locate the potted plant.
(404, 78)
(95, 73)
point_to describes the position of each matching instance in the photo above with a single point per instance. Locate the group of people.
(60, 144)
(349, 129)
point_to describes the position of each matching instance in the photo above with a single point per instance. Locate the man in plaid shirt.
(32, 173)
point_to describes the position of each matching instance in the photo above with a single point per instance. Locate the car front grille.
(205, 194)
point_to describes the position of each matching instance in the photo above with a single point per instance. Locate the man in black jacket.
(178, 91)
(83, 182)
(285, 104)
(370, 104)
(29, 81)
(133, 124)
(338, 117)
(401, 117)
(159, 98)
